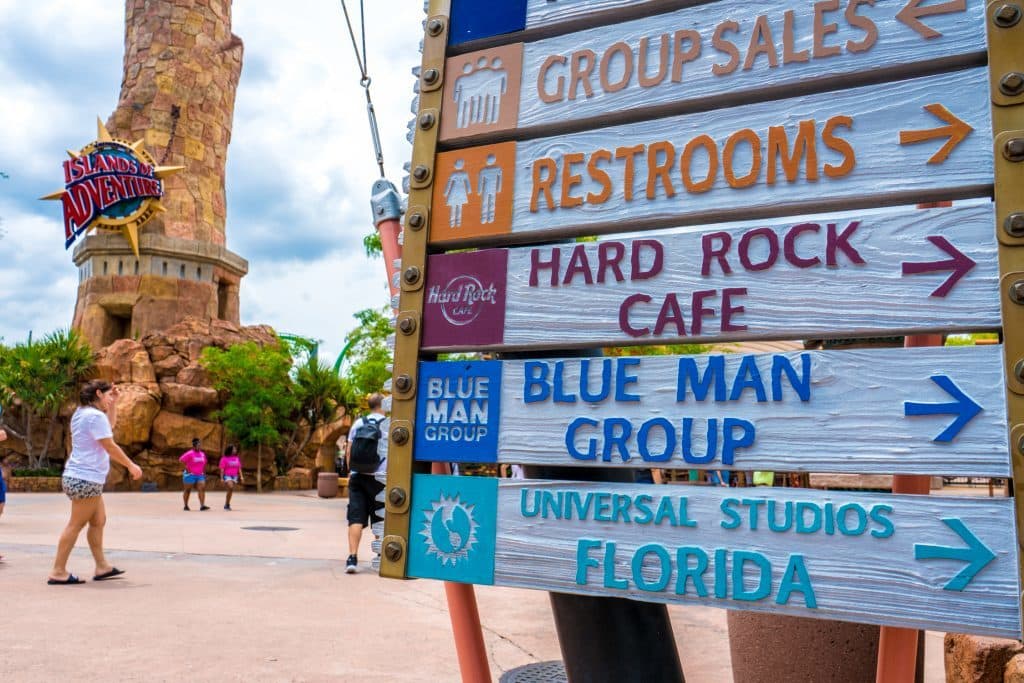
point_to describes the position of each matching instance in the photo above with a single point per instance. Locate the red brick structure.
(181, 70)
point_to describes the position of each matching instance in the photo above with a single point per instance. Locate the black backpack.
(362, 453)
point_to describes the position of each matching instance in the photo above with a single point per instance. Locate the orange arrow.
(956, 131)
(911, 15)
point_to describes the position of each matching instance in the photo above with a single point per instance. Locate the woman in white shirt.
(92, 448)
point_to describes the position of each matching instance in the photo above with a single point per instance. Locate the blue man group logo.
(449, 530)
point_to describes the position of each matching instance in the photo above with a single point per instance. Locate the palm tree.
(40, 378)
(319, 392)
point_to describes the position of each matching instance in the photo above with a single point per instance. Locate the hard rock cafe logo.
(463, 299)
(449, 529)
(110, 184)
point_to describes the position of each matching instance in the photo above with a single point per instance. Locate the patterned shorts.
(80, 489)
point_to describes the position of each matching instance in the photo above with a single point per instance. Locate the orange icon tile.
(473, 193)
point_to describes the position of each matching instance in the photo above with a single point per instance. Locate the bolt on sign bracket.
(1005, 26)
(1005, 36)
(414, 258)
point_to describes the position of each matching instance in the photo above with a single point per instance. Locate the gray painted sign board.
(907, 141)
(894, 271)
(928, 562)
(729, 52)
(929, 411)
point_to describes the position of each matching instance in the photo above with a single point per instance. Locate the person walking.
(195, 474)
(366, 456)
(92, 449)
(230, 466)
(3, 484)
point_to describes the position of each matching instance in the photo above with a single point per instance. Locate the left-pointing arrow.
(956, 130)
(963, 407)
(958, 262)
(977, 555)
(912, 12)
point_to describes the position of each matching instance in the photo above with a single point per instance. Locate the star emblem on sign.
(112, 185)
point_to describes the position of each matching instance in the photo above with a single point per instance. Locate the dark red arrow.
(959, 263)
(912, 12)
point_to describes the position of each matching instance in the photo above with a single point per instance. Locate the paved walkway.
(207, 599)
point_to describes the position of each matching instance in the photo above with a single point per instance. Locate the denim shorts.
(233, 480)
(194, 478)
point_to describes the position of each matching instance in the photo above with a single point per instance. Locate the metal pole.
(605, 638)
(611, 639)
(901, 650)
(461, 598)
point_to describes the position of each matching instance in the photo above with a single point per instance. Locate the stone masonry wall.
(180, 56)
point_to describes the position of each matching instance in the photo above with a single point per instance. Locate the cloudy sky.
(299, 106)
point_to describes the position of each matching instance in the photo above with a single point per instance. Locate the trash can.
(327, 485)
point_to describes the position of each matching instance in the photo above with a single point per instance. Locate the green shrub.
(37, 472)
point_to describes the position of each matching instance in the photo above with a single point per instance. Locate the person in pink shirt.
(230, 471)
(195, 474)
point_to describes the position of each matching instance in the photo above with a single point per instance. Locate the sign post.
(751, 172)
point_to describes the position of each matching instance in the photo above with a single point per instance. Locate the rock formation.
(166, 399)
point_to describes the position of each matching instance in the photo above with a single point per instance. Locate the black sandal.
(70, 581)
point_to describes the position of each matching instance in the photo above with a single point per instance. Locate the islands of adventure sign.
(110, 184)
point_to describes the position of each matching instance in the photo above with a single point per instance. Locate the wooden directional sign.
(714, 53)
(779, 146)
(925, 562)
(903, 141)
(875, 272)
(880, 411)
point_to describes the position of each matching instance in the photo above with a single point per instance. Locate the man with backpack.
(365, 458)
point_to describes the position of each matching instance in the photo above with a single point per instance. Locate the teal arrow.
(976, 555)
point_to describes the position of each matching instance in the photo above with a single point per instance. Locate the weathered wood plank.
(715, 54)
(906, 141)
(928, 562)
(935, 411)
(855, 274)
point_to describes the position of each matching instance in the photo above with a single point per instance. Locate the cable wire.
(364, 81)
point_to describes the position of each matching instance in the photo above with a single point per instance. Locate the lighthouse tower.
(181, 70)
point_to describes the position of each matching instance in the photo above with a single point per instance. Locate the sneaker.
(227, 507)
(187, 508)
(350, 564)
(204, 507)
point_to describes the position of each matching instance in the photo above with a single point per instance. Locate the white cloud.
(300, 165)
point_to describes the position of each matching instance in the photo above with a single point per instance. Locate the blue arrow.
(964, 408)
(977, 555)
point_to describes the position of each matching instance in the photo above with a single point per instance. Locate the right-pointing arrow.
(956, 130)
(977, 555)
(958, 262)
(963, 407)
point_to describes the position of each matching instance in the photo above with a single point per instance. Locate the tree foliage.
(372, 245)
(365, 369)
(659, 350)
(37, 380)
(260, 401)
(319, 392)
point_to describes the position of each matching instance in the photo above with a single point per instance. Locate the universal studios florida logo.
(450, 529)
(110, 184)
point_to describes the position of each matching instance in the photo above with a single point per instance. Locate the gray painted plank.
(929, 562)
(552, 12)
(812, 411)
(856, 134)
(775, 53)
(854, 578)
(864, 291)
